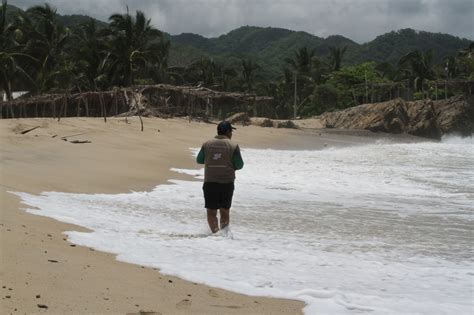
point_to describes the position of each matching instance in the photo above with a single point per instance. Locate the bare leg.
(225, 217)
(212, 220)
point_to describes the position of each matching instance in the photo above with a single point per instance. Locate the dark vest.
(218, 154)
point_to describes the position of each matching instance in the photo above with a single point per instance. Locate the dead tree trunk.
(102, 106)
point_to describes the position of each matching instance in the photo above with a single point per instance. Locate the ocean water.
(384, 228)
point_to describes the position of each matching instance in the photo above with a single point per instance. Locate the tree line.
(40, 55)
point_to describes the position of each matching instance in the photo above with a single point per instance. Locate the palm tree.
(386, 70)
(451, 66)
(135, 43)
(158, 68)
(44, 40)
(301, 66)
(203, 71)
(302, 60)
(418, 66)
(92, 52)
(248, 73)
(10, 52)
(335, 57)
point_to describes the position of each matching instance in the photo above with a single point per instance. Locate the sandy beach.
(41, 272)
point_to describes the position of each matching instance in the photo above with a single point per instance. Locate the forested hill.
(270, 46)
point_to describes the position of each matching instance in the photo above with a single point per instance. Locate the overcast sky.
(359, 20)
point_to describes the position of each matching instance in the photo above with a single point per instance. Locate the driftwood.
(28, 130)
(74, 135)
(80, 141)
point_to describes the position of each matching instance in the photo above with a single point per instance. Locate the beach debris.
(226, 306)
(28, 130)
(42, 305)
(53, 261)
(54, 136)
(242, 117)
(74, 135)
(80, 141)
(8, 296)
(266, 122)
(38, 296)
(144, 312)
(170, 281)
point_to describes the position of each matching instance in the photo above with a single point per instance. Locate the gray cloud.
(360, 20)
(406, 7)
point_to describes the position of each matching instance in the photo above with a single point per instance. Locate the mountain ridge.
(271, 46)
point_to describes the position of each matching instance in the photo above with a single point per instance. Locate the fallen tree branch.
(28, 130)
(70, 136)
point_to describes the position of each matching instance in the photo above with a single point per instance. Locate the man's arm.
(200, 157)
(237, 159)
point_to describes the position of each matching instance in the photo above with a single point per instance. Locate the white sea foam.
(380, 229)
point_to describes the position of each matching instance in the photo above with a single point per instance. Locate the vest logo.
(217, 156)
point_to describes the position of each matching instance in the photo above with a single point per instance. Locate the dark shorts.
(218, 195)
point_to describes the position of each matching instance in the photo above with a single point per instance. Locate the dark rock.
(286, 124)
(267, 123)
(42, 306)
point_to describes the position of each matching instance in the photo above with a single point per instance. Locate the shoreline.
(41, 267)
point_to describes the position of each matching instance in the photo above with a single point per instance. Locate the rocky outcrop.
(456, 115)
(425, 118)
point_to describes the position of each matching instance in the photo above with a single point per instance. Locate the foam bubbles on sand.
(380, 229)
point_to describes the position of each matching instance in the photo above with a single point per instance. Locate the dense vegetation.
(42, 51)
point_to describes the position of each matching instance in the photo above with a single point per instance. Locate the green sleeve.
(200, 157)
(237, 159)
